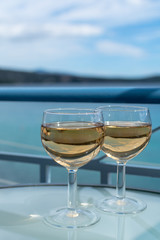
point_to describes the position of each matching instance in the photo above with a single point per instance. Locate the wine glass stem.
(120, 187)
(72, 189)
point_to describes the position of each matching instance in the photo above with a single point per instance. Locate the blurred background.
(84, 41)
(58, 48)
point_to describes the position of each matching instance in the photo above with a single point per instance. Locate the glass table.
(22, 212)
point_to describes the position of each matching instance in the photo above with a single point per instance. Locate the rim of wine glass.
(123, 108)
(72, 111)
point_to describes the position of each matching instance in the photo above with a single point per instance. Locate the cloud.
(73, 29)
(111, 13)
(119, 49)
(25, 18)
(23, 31)
(31, 20)
(52, 33)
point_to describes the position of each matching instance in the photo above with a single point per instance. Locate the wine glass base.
(121, 206)
(66, 218)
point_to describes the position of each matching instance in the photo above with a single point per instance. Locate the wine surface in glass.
(125, 140)
(72, 144)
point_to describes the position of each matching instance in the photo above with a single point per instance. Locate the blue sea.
(20, 133)
(20, 128)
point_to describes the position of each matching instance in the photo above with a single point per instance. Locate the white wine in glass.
(127, 132)
(72, 137)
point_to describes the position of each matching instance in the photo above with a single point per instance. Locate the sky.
(105, 38)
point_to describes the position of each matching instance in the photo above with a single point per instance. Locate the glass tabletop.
(22, 212)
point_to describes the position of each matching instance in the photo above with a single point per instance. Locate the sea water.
(20, 131)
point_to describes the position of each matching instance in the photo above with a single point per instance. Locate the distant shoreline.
(22, 78)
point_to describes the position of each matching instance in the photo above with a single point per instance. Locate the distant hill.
(38, 78)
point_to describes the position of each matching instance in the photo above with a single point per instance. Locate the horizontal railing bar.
(27, 158)
(81, 94)
(104, 168)
(140, 170)
(45, 160)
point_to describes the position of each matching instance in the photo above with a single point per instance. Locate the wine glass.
(127, 132)
(72, 137)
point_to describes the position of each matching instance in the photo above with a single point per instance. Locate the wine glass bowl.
(127, 132)
(72, 137)
(71, 144)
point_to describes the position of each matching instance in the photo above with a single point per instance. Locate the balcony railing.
(82, 94)
(105, 169)
(107, 95)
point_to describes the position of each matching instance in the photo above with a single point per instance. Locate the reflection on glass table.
(23, 209)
